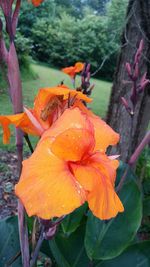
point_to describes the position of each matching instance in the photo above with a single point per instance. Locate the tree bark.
(131, 130)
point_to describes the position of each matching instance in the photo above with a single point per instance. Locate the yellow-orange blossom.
(69, 167)
(48, 105)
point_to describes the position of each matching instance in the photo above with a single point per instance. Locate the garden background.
(55, 35)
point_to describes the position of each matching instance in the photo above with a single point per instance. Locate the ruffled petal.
(104, 135)
(97, 175)
(20, 121)
(73, 70)
(85, 175)
(71, 119)
(51, 102)
(79, 67)
(105, 165)
(103, 200)
(46, 187)
(73, 144)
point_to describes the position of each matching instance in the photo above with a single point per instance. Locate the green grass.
(43, 76)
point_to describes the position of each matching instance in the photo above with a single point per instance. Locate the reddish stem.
(11, 59)
(134, 158)
(136, 154)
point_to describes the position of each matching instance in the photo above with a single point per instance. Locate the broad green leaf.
(69, 251)
(146, 206)
(57, 254)
(9, 242)
(120, 171)
(107, 239)
(137, 255)
(73, 220)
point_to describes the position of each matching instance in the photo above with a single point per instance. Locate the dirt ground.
(8, 179)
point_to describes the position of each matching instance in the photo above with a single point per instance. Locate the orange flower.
(67, 169)
(37, 2)
(49, 104)
(73, 70)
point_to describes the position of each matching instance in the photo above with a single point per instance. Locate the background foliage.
(63, 32)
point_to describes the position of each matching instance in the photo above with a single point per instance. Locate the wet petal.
(47, 188)
(103, 200)
(105, 165)
(97, 175)
(73, 144)
(104, 135)
(70, 119)
(85, 175)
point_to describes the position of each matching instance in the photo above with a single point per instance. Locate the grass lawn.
(48, 77)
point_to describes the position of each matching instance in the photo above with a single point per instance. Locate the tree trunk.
(133, 130)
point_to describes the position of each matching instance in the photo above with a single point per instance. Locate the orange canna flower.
(49, 104)
(37, 2)
(68, 168)
(73, 70)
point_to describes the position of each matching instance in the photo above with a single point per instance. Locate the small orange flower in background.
(49, 104)
(37, 2)
(69, 167)
(73, 70)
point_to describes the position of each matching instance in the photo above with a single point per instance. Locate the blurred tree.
(137, 28)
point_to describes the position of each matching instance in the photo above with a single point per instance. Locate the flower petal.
(104, 135)
(34, 121)
(79, 66)
(49, 101)
(103, 200)
(70, 119)
(72, 70)
(97, 177)
(73, 144)
(20, 121)
(85, 175)
(37, 2)
(47, 188)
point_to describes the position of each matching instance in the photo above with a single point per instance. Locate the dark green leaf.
(108, 239)
(9, 242)
(69, 251)
(146, 206)
(73, 220)
(137, 255)
(122, 167)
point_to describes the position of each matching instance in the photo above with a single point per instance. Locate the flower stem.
(37, 249)
(29, 142)
(134, 158)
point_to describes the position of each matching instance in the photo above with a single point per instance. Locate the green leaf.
(120, 171)
(134, 256)
(9, 241)
(69, 251)
(146, 206)
(73, 220)
(107, 239)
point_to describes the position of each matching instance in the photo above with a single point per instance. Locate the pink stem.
(136, 154)
(134, 158)
(11, 60)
